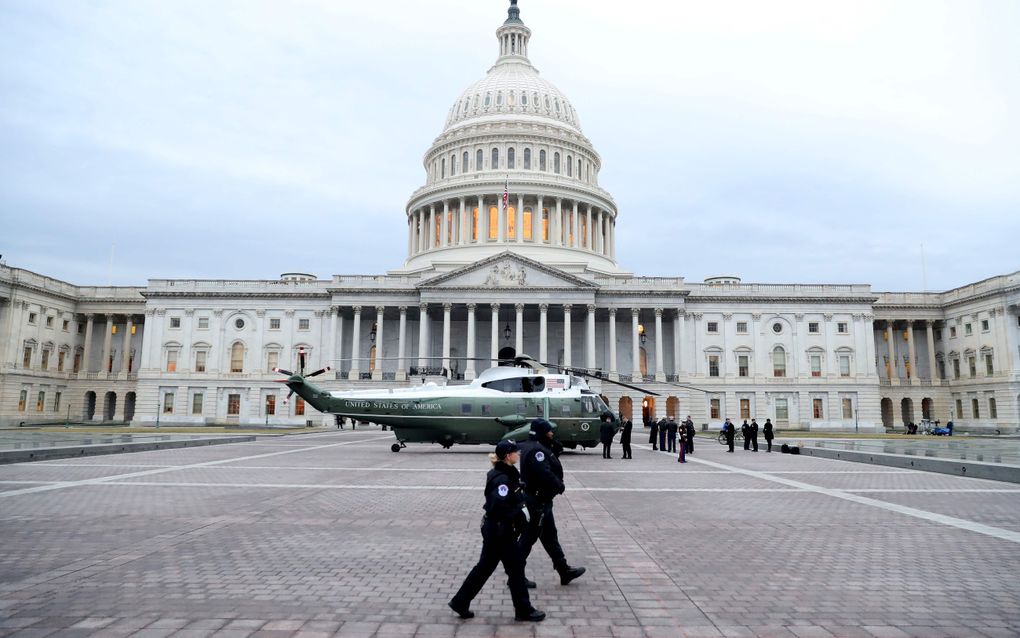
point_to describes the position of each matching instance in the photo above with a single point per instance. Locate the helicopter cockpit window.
(465, 408)
(517, 384)
(587, 405)
(486, 410)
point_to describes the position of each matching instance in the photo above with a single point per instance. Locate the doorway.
(507, 356)
(907, 408)
(90, 406)
(109, 406)
(626, 408)
(647, 409)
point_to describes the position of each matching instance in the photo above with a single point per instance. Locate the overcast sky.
(785, 141)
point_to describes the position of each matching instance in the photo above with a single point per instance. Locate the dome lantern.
(513, 36)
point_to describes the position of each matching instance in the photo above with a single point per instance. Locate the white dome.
(510, 88)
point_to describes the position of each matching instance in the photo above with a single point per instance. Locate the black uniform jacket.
(541, 471)
(606, 432)
(625, 433)
(504, 496)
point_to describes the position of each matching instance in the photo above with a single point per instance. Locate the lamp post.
(507, 332)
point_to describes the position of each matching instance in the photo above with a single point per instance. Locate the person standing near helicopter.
(505, 513)
(543, 480)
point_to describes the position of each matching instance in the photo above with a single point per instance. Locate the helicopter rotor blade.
(318, 372)
(282, 371)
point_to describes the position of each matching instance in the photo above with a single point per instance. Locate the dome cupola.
(512, 170)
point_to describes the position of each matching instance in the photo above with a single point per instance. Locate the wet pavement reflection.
(1003, 451)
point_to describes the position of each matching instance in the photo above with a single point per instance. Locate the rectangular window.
(233, 404)
(972, 366)
(171, 361)
(741, 327)
(168, 403)
(844, 365)
(270, 404)
(841, 328)
(303, 324)
(40, 401)
(952, 332)
(779, 363)
(713, 326)
(975, 408)
(175, 322)
(713, 365)
(203, 323)
(200, 361)
(49, 322)
(743, 365)
(60, 361)
(274, 324)
(272, 361)
(813, 328)
(942, 369)
(937, 333)
(956, 369)
(57, 395)
(22, 400)
(816, 409)
(32, 318)
(984, 325)
(816, 365)
(299, 407)
(745, 408)
(77, 363)
(959, 409)
(196, 403)
(66, 326)
(45, 364)
(993, 412)
(848, 408)
(989, 366)
(714, 408)
(26, 359)
(782, 411)
(968, 329)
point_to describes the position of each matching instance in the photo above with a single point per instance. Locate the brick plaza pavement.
(332, 534)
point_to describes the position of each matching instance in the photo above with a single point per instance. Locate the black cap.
(540, 426)
(505, 448)
(607, 416)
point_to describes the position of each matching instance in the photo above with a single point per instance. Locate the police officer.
(769, 433)
(671, 429)
(654, 434)
(625, 433)
(689, 425)
(683, 444)
(745, 430)
(505, 514)
(606, 434)
(753, 430)
(543, 480)
(731, 432)
(662, 434)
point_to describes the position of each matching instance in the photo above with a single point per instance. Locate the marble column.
(377, 372)
(575, 228)
(356, 345)
(423, 324)
(933, 372)
(469, 372)
(483, 221)
(613, 372)
(465, 234)
(444, 225)
(543, 334)
(87, 354)
(660, 371)
(557, 238)
(890, 342)
(566, 335)
(911, 351)
(501, 215)
(430, 241)
(329, 343)
(536, 222)
(677, 340)
(410, 235)
(338, 341)
(519, 329)
(589, 232)
(494, 343)
(107, 342)
(519, 221)
(447, 309)
(125, 359)
(635, 314)
(590, 349)
(402, 345)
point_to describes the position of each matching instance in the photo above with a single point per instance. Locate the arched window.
(527, 159)
(237, 357)
(453, 165)
(524, 98)
(488, 99)
(464, 162)
(510, 98)
(541, 160)
(495, 159)
(547, 103)
(499, 98)
(557, 103)
(535, 101)
(510, 157)
(556, 163)
(442, 173)
(570, 166)
(479, 158)
(778, 362)
(578, 169)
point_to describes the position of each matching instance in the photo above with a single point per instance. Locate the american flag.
(506, 192)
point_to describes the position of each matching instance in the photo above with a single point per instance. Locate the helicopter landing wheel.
(395, 447)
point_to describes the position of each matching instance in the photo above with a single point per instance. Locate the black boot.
(530, 615)
(463, 612)
(569, 573)
(530, 584)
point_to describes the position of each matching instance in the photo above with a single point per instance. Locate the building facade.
(511, 250)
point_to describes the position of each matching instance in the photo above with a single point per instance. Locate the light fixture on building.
(507, 332)
(641, 334)
(371, 335)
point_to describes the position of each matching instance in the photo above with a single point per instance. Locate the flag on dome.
(506, 191)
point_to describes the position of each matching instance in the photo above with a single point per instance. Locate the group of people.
(663, 435)
(750, 434)
(518, 513)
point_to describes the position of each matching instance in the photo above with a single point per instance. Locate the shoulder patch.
(539, 456)
(503, 490)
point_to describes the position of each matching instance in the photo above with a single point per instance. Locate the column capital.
(828, 316)
(567, 307)
(217, 312)
(160, 312)
(698, 315)
(380, 309)
(356, 309)
(149, 312)
(518, 307)
(402, 309)
(471, 307)
(190, 312)
(447, 307)
(543, 307)
(636, 312)
(799, 316)
(679, 313)
(727, 316)
(290, 313)
(423, 307)
(612, 312)
(658, 313)
(494, 307)
(756, 316)
(591, 307)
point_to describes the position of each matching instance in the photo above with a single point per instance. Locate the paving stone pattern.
(331, 534)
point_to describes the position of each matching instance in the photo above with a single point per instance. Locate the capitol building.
(511, 249)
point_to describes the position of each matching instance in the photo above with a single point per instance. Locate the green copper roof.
(513, 14)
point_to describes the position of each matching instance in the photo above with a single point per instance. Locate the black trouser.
(542, 527)
(499, 544)
(626, 449)
(690, 442)
(729, 441)
(653, 438)
(747, 442)
(769, 442)
(607, 450)
(754, 442)
(662, 439)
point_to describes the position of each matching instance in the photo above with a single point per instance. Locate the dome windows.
(464, 162)
(570, 164)
(557, 103)
(541, 160)
(499, 98)
(510, 99)
(442, 170)
(453, 165)
(556, 163)
(488, 99)
(535, 101)
(510, 158)
(524, 98)
(527, 159)
(479, 159)
(495, 159)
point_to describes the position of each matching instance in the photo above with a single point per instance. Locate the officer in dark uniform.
(671, 429)
(689, 425)
(753, 430)
(505, 514)
(745, 430)
(769, 433)
(543, 480)
(662, 434)
(625, 433)
(731, 433)
(653, 436)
